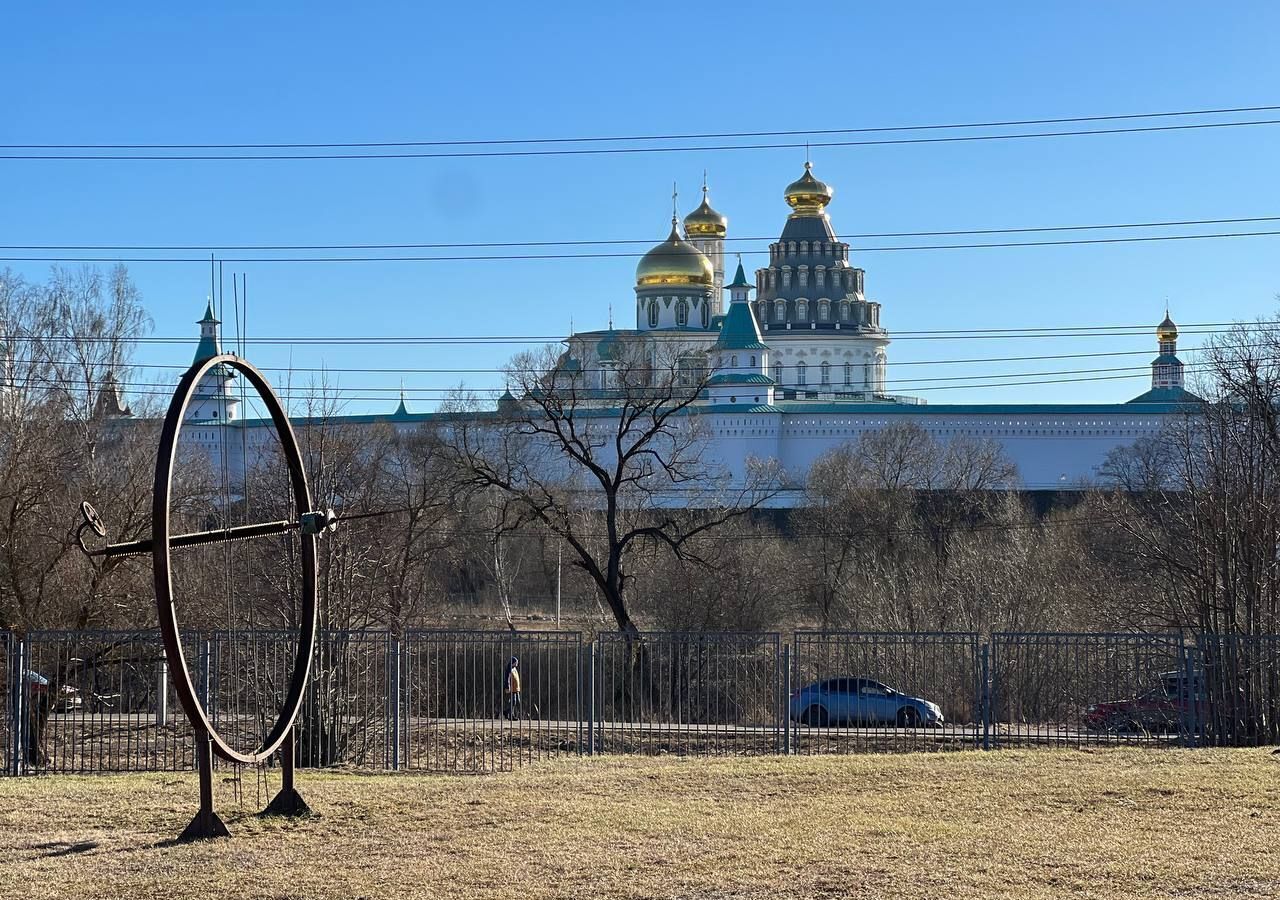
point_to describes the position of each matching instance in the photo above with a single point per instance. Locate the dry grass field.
(1114, 824)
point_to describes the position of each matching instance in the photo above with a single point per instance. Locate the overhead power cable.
(1067, 331)
(375, 370)
(645, 137)
(604, 151)
(992, 245)
(468, 245)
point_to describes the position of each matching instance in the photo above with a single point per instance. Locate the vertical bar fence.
(688, 693)
(886, 691)
(1073, 690)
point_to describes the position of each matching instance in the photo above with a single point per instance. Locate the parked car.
(1160, 708)
(861, 701)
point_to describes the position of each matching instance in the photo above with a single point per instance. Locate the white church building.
(795, 370)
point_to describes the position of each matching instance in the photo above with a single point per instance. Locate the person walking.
(512, 687)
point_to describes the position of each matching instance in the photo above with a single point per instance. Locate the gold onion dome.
(807, 195)
(674, 261)
(704, 220)
(1166, 330)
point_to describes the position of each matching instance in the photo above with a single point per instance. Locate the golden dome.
(1166, 330)
(674, 261)
(807, 195)
(704, 220)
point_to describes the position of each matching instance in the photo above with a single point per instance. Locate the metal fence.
(102, 701)
(858, 691)
(688, 693)
(1077, 689)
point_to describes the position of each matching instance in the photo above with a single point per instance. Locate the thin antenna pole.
(235, 301)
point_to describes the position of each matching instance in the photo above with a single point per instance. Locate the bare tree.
(609, 470)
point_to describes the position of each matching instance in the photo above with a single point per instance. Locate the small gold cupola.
(705, 221)
(808, 196)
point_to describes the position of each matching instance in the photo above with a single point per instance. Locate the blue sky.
(143, 73)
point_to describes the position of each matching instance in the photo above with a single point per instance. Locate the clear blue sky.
(141, 73)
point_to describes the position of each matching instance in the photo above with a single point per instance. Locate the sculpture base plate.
(205, 826)
(287, 803)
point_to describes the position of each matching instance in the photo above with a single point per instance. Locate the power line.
(1070, 331)
(623, 255)
(646, 137)
(604, 151)
(620, 241)
(374, 370)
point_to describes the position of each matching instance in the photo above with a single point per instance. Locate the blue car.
(861, 701)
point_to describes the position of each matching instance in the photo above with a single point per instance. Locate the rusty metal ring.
(160, 555)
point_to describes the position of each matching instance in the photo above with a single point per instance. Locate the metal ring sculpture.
(161, 561)
(309, 524)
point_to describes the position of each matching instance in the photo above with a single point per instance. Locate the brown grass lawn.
(1115, 823)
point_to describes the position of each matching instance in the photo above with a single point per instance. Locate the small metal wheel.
(92, 519)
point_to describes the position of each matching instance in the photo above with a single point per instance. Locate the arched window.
(733, 361)
(844, 310)
(800, 373)
(706, 314)
(780, 311)
(802, 310)
(777, 372)
(820, 276)
(653, 313)
(753, 360)
(826, 373)
(824, 310)
(682, 313)
(848, 373)
(804, 247)
(786, 276)
(804, 276)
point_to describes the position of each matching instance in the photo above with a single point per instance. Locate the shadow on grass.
(63, 848)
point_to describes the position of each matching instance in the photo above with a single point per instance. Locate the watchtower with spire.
(706, 229)
(214, 399)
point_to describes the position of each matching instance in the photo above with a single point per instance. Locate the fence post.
(162, 693)
(393, 702)
(786, 699)
(591, 699)
(17, 694)
(1190, 698)
(986, 696)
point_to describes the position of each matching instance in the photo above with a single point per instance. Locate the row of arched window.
(682, 313)
(822, 310)
(819, 248)
(840, 278)
(824, 373)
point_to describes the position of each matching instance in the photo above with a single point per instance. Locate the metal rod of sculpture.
(310, 525)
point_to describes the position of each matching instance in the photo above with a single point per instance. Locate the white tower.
(1166, 369)
(213, 400)
(739, 357)
(705, 229)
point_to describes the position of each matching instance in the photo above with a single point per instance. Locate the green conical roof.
(740, 278)
(209, 316)
(740, 331)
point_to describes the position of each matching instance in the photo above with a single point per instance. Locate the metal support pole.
(17, 697)
(985, 699)
(393, 702)
(786, 699)
(288, 802)
(1190, 700)
(204, 675)
(206, 824)
(162, 693)
(559, 555)
(591, 698)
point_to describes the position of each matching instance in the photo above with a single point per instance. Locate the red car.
(1162, 708)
